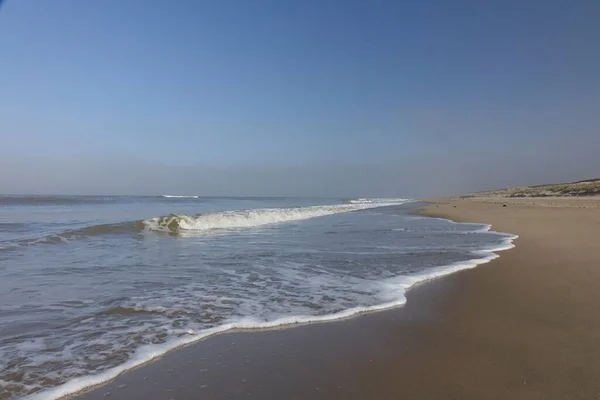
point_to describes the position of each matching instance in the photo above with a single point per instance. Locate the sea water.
(91, 286)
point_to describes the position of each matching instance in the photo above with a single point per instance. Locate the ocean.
(91, 286)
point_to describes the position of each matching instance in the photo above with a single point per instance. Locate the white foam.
(394, 291)
(150, 352)
(253, 217)
(172, 196)
(379, 200)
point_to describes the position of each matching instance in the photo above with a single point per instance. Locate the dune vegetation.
(589, 187)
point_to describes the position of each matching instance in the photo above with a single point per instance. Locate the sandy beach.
(524, 326)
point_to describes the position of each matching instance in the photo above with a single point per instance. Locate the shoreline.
(433, 304)
(404, 283)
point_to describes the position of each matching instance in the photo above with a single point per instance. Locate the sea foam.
(394, 291)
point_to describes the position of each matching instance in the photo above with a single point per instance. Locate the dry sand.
(525, 326)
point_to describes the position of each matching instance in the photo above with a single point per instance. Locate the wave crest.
(250, 218)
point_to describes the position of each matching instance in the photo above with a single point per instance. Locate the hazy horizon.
(122, 176)
(311, 99)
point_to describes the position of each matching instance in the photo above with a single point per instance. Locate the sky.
(297, 98)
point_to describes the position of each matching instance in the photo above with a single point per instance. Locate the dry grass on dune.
(582, 188)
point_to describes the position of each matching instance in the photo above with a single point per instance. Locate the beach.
(299, 200)
(524, 326)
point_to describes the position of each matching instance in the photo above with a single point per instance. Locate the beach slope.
(524, 326)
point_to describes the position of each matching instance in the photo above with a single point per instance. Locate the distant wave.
(39, 200)
(172, 196)
(377, 200)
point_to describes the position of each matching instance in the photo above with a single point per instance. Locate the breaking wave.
(251, 218)
(172, 196)
(185, 225)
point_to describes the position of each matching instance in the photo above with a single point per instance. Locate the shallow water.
(90, 286)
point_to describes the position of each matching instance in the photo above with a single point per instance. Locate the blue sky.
(236, 84)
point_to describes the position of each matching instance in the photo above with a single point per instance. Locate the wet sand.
(524, 326)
